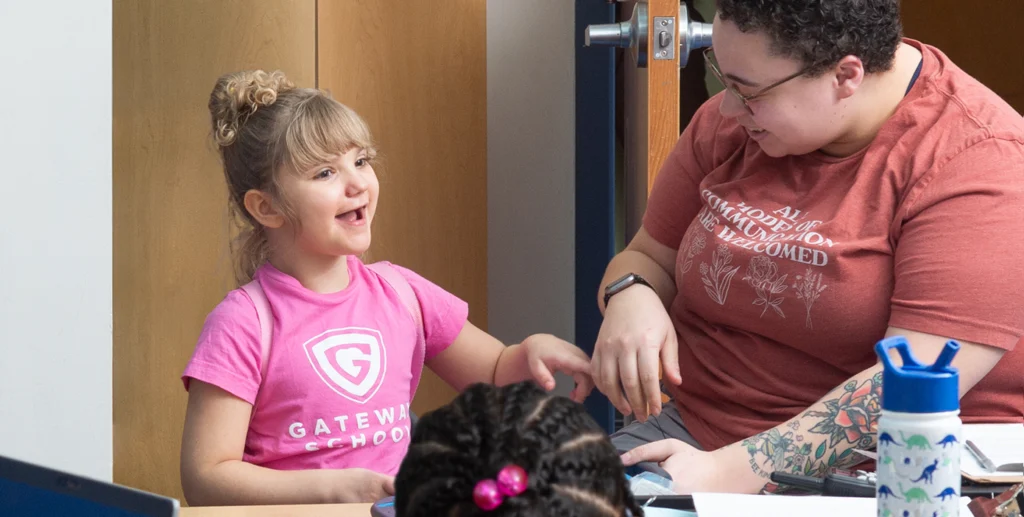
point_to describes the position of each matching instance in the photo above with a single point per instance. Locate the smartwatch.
(621, 284)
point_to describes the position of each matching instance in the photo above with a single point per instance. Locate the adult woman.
(848, 185)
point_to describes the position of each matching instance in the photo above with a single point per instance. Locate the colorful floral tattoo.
(847, 422)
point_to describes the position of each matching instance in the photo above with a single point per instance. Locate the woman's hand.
(546, 354)
(636, 333)
(693, 470)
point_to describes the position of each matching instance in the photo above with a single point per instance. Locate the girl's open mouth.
(357, 216)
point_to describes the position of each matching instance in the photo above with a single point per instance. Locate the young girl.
(511, 451)
(300, 384)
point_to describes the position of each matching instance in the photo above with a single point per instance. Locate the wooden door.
(650, 111)
(170, 257)
(980, 37)
(416, 70)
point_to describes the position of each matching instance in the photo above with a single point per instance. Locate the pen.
(830, 485)
(980, 456)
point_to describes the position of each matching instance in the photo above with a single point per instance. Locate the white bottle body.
(919, 464)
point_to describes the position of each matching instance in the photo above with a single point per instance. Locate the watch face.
(620, 283)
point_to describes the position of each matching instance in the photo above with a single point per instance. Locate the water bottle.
(919, 434)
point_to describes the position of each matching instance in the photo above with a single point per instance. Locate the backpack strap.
(390, 274)
(265, 315)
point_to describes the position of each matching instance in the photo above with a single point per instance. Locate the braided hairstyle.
(572, 466)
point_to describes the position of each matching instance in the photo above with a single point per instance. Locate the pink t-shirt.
(339, 372)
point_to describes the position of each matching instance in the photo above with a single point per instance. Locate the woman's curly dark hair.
(821, 32)
(572, 466)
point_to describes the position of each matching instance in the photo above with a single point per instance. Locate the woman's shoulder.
(951, 111)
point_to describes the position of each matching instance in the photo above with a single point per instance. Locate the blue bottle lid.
(915, 387)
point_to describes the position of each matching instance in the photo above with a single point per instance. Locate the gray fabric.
(666, 425)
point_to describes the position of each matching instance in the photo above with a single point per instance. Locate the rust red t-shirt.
(790, 270)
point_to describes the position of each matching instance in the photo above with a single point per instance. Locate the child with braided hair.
(512, 451)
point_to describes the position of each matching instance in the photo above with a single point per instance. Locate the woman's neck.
(880, 96)
(319, 273)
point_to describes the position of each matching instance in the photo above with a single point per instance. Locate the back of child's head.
(571, 467)
(264, 127)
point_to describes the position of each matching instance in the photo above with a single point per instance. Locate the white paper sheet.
(1002, 443)
(732, 505)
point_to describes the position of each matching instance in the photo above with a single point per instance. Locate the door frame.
(595, 184)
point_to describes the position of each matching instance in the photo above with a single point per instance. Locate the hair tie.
(488, 494)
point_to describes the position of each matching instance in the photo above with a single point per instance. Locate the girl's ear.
(260, 206)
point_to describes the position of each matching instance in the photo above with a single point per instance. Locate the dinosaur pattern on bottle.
(918, 472)
(915, 495)
(927, 473)
(886, 439)
(916, 440)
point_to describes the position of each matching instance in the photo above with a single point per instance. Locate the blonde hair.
(263, 125)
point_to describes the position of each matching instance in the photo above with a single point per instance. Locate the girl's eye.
(324, 174)
(362, 162)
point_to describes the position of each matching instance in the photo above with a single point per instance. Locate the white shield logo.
(351, 361)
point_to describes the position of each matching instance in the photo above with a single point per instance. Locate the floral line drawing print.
(719, 275)
(762, 275)
(696, 246)
(808, 288)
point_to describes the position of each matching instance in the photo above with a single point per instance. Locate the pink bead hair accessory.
(488, 494)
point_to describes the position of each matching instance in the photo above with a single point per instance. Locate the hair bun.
(238, 95)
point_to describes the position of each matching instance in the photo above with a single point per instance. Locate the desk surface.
(310, 510)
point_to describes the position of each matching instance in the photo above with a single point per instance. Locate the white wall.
(530, 168)
(55, 234)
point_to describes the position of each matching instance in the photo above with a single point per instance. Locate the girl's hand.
(546, 354)
(359, 486)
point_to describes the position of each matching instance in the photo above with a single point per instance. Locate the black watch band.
(621, 284)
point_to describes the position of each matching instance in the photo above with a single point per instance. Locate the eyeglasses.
(712, 65)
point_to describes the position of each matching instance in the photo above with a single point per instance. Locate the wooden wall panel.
(416, 71)
(980, 37)
(171, 263)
